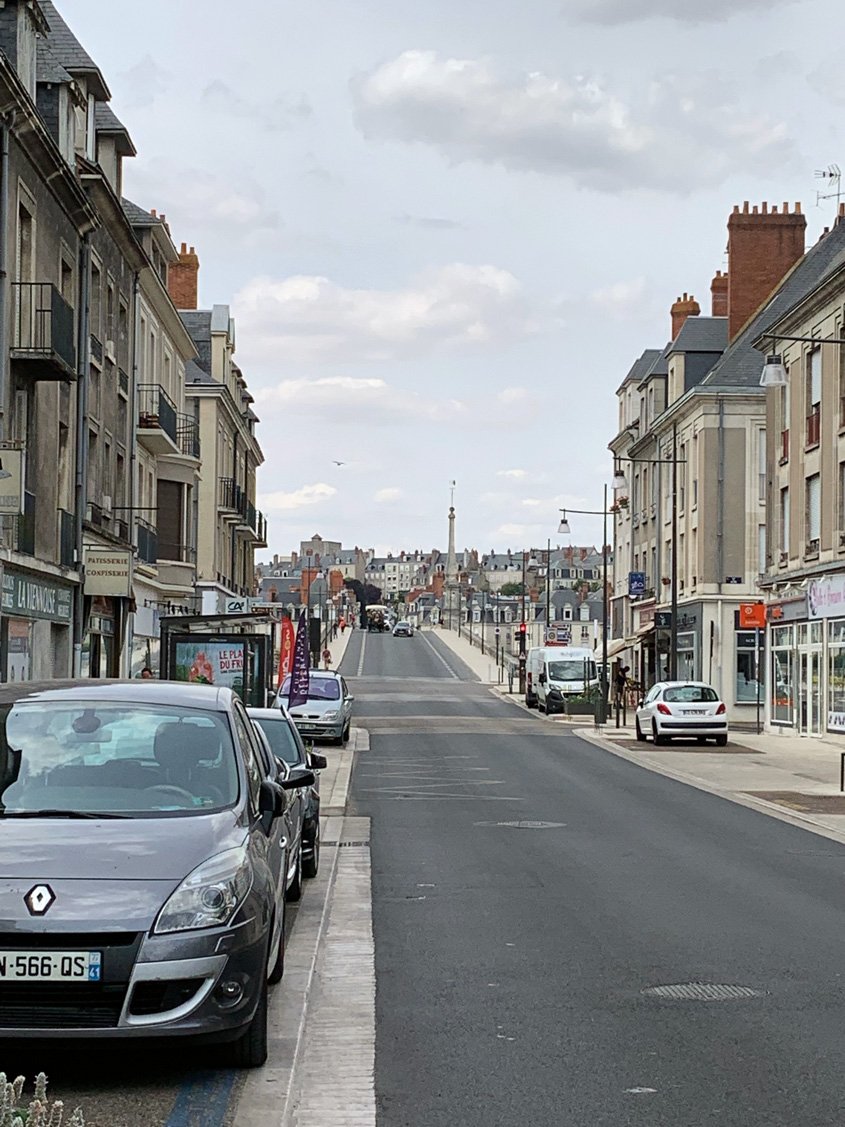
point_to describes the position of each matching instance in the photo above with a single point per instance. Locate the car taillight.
(721, 710)
(664, 709)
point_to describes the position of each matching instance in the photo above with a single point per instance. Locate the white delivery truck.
(565, 671)
(533, 666)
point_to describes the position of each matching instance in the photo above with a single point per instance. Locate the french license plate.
(696, 712)
(51, 966)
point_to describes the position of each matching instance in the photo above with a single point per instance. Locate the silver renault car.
(327, 714)
(142, 865)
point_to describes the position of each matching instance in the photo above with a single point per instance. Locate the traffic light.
(522, 629)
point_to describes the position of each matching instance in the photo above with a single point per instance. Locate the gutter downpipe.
(5, 134)
(134, 408)
(81, 484)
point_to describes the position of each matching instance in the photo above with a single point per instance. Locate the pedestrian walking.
(621, 681)
(327, 658)
(334, 630)
(343, 626)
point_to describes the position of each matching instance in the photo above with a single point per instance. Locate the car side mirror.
(350, 697)
(317, 762)
(271, 799)
(299, 777)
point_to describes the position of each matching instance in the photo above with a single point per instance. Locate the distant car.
(403, 630)
(287, 746)
(144, 857)
(673, 709)
(327, 714)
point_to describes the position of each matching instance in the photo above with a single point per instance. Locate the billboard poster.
(204, 661)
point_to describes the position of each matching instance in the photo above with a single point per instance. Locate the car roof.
(185, 694)
(269, 714)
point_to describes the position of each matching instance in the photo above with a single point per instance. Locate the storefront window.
(783, 674)
(686, 657)
(746, 667)
(836, 675)
(19, 649)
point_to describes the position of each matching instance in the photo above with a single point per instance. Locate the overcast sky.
(446, 228)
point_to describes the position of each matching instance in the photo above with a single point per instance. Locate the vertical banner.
(300, 675)
(286, 649)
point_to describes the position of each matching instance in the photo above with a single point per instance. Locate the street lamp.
(563, 530)
(774, 370)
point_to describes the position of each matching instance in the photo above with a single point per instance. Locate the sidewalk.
(338, 647)
(482, 665)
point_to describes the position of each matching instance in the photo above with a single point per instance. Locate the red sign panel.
(752, 616)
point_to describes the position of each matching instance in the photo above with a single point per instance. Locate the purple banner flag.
(300, 675)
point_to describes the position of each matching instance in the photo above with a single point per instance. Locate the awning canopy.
(619, 645)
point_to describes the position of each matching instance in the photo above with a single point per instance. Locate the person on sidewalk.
(621, 682)
(343, 626)
(334, 630)
(327, 658)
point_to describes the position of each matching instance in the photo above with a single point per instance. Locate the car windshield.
(571, 670)
(281, 737)
(320, 688)
(690, 694)
(120, 758)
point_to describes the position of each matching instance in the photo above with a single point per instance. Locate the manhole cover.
(524, 825)
(702, 992)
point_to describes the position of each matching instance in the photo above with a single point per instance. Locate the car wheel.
(294, 891)
(311, 864)
(541, 707)
(721, 741)
(277, 969)
(639, 731)
(250, 1049)
(656, 736)
(344, 738)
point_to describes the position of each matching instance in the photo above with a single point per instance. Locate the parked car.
(403, 629)
(327, 715)
(143, 865)
(287, 748)
(682, 708)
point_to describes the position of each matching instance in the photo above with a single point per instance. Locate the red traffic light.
(522, 627)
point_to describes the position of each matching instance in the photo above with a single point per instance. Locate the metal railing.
(156, 410)
(123, 381)
(188, 435)
(43, 322)
(147, 543)
(96, 349)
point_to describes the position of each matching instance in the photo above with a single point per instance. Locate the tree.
(511, 589)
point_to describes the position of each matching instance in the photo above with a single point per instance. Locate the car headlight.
(331, 715)
(210, 895)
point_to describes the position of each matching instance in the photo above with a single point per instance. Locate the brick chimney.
(763, 246)
(684, 307)
(719, 295)
(183, 279)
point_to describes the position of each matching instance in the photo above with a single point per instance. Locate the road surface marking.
(363, 651)
(440, 657)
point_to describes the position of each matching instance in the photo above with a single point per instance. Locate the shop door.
(809, 692)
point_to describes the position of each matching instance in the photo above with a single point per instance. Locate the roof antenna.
(832, 175)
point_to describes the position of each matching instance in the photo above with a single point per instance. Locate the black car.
(143, 855)
(286, 744)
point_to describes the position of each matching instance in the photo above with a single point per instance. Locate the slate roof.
(48, 67)
(741, 364)
(701, 334)
(107, 121)
(660, 367)
(137, 216)
(195, 374)
(70, 53)
(198, 324)
(641, 367)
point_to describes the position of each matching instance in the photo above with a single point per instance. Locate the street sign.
(735, 579)
(752, 616)
(663, 620)
(636, 583)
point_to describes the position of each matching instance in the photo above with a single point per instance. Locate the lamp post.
(563, 530)
(620, 482)
(548, 582)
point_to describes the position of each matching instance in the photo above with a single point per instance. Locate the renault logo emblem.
(39, 899)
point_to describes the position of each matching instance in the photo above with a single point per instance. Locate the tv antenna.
(832, 176)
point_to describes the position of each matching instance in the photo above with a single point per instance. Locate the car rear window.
(134, 759)
(320, 688)
(281, 738)
(690, 694)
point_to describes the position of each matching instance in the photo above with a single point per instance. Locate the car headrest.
(185, 745)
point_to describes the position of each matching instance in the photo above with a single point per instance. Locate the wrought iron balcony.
(158, 429)
(43, 336)
(188, 433)
(147, 543)
(226, 498)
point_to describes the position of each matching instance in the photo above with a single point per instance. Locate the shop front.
(806, 645)
(35, 634)
(108, 599)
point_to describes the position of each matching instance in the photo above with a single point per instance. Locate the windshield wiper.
(60, 814)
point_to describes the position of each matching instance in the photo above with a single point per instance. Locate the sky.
(447, 229)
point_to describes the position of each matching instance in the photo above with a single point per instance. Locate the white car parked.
(682, 708)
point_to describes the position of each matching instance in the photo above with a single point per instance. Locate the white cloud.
(623, 300)
(672, 133)
(142, 84)
(684, 11)
(302, 498)
(387, 496)
(309, 318)
(512, 473)
(192, 197)
(367, 399)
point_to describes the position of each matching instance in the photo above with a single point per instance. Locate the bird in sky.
(340, 463)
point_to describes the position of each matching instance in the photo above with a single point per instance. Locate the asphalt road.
(512, 961)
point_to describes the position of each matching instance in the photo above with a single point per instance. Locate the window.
(813, 512)
(836, 675)
(814, 395)
(842, 382)
(110, 325)
(783, 674)
(682, 478)
(761, 466)
(784, 521)
(746, 667)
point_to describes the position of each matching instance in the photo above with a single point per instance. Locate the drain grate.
(347, 844)
(702, 992)
(524, 825)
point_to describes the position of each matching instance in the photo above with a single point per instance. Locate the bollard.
(842, 771)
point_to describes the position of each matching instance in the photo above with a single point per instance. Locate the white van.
(533, 668)
(566, 671)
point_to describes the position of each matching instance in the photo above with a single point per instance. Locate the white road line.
(363, 651)
(440, 657)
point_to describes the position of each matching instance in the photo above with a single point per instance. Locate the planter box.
(580, 708)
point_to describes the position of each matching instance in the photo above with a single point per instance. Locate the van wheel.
(250, 1049)
(639, 731)
(658, 739)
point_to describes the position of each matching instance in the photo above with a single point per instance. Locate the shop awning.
(619, 645)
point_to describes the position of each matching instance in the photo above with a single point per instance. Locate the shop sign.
(645, 617)
(788, 610)
(826, 597)
(752, 616)
(108, 572)
(663, 620)
(559, 636)
(11, 482)
(836, 721)
(636, 583)
(25, 597)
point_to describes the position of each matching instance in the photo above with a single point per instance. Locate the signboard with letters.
(559, 635)
(752, 616)
(108, 572)
(636, 583)
(826, 597)
(26, 597)
(11, 482)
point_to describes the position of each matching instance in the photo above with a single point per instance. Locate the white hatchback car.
(682, 708)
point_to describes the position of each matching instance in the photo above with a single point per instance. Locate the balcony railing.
(814, 426)
(226, 494)
(784, 446)
(147, 543)
(43, 334)
(812, 547)
(177, 553)
(96, 349)
(67, 539)
(157, 412)
(26, 526)
(123, 381)
(188, 433)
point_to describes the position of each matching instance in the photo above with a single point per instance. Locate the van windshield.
(120, 758)
(572, 670)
